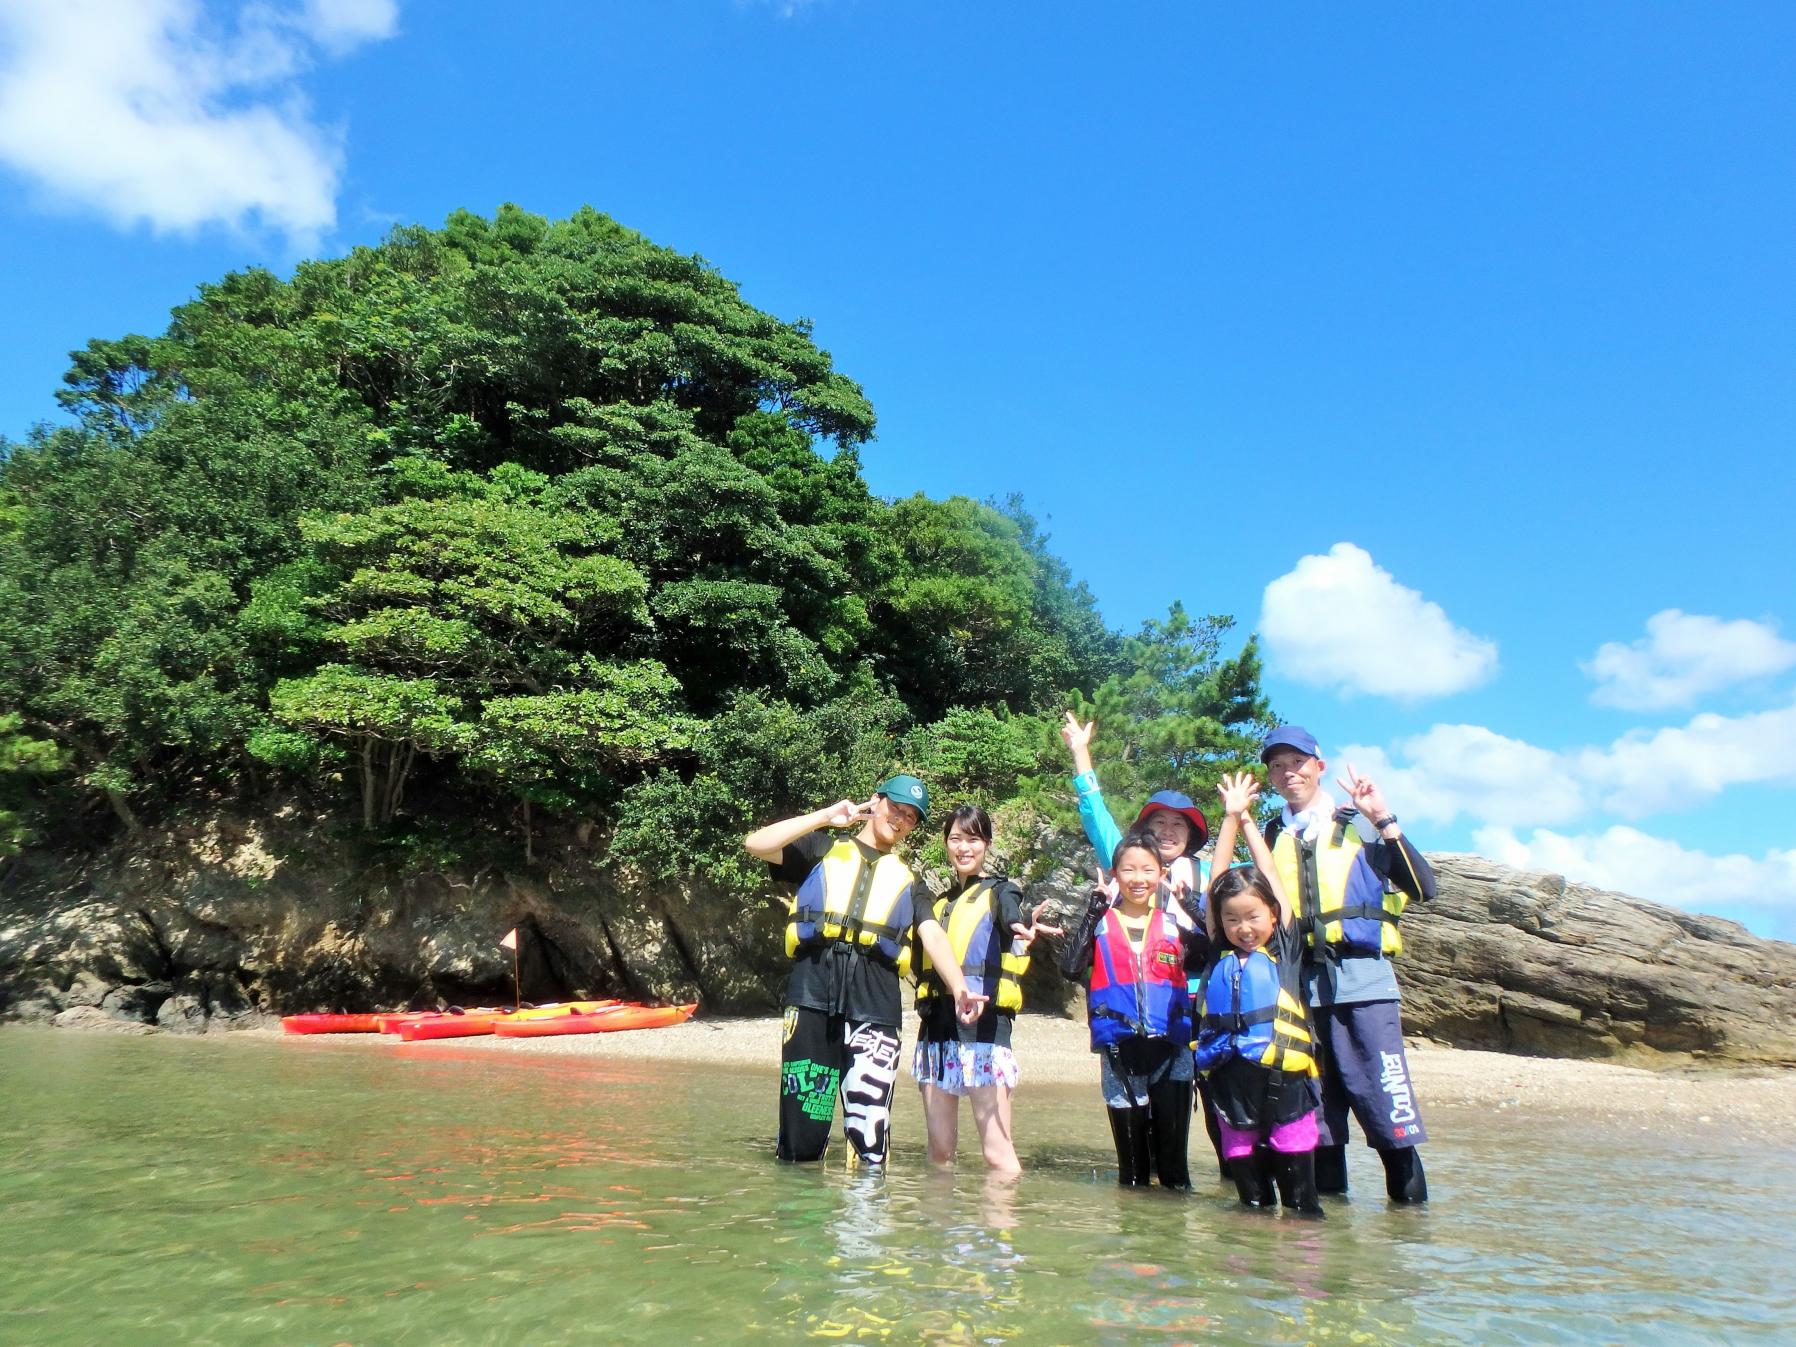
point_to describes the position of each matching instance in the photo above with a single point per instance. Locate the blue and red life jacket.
(1138, 993)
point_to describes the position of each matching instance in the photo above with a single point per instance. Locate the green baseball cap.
(906, 790)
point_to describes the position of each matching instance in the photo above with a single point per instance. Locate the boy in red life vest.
(1349, 894)
(1179, 831)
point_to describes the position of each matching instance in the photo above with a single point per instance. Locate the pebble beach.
(1757, 1104)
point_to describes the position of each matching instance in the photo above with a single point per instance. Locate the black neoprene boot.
(1252, 1182)
(1296, 1175)
(1128, 1127)
(1169, 1105)
(1403, 1176)
(1331, 1169)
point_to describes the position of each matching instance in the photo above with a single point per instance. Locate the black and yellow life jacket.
(1342, 904)
(971, 922)
(847, 899)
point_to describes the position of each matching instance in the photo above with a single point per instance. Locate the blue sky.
(1452, 348)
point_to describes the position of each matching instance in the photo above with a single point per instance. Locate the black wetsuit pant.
(825, 1056)
(1151, 1140)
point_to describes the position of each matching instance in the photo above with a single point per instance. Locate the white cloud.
(1642, 773)
(1455, 770)
(1627, 860)
(156, 112)
(1467, 769)
(1681, 657)
(1341, 621)
(341, 25)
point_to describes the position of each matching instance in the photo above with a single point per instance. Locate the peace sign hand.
(1026, 931)
(847, 813)
(1077, 736)
(1364, 793)
(968, 1007)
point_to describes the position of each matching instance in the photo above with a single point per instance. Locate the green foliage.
(25, 760)
(981, 755)
(972, 615)
(518, 514)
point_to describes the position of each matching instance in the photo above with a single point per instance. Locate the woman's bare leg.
(941, 1117)
(991, 1115)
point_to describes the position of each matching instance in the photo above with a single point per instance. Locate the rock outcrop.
(225, 924)
(1525, 962)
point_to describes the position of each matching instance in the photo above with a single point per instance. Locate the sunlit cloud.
(1627, 860)
(176, 115)
(1341, 621)
(1455, 770)
(1682, 657)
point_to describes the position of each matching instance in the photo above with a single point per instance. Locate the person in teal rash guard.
(1179, 832)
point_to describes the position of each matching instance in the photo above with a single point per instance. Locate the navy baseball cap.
(1290, 736)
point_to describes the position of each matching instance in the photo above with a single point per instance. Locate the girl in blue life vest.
(989, 931)
(1139, 1008)
(1254, 1041)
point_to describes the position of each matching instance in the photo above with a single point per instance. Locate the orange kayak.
(393, 1021)
(470, 1023)
(597, 1022)
(329, 1024)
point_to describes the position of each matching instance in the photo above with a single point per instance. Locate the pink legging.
(1290, 1138)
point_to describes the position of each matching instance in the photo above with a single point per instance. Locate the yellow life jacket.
(1342, 904)
(848, 900)
(971, 921)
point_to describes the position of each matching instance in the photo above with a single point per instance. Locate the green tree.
(525, 515)
(969, 613)
(25, 761)
(1179, 714)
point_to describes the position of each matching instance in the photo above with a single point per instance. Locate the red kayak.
(395, 1020)
(470, 1023)
(597, 1022)
(330, 1024)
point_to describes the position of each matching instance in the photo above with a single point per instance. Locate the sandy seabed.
(1759, 1104)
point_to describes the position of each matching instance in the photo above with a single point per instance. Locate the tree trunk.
(399, 766)
(368, 794)
(122, 807)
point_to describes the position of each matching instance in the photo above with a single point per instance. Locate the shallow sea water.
(292, 1191)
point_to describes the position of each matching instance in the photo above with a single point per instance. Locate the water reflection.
(160, 1191)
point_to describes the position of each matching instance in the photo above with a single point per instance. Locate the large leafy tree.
(524, 514)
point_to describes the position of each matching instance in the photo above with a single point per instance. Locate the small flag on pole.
(511, 939)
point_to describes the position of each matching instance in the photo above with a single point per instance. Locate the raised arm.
(1094, 814)
(1239, 792)
(769, 843)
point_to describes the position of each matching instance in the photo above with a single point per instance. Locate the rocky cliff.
(1525, 962)
(221, 924)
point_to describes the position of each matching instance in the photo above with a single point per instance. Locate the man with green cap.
(849, 937)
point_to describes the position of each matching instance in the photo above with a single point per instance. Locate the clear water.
(249, 1191)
